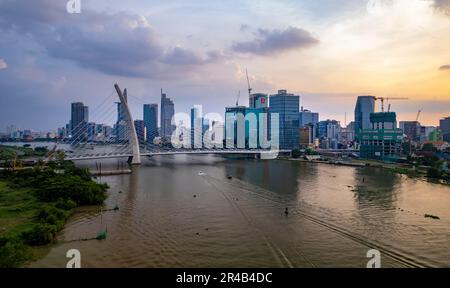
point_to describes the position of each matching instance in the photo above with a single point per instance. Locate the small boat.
(201, 173)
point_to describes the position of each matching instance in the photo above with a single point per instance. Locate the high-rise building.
(365, 105)
(167, 113)
(91, 131)
(151, 121)
(411, 129)
(328, 132)
(235, 126)
(218, 130)
(287, 106)
(258, 100)
(196, 127)
(306, 117)
(140, 130)
(444, 126)
(79, 120)
(383, 139)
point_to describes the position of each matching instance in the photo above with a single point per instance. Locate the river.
(173, 216)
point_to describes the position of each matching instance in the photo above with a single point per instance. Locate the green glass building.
(383, 140)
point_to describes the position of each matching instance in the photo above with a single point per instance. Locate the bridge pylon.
(136, 158)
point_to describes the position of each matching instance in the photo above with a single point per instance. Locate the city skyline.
(327, 54)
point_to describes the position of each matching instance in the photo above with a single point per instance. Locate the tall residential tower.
(167, 113)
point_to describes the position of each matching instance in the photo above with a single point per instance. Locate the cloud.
(444, 67)
(121, 44)
(181, 56)
(270, 42)
(3, 64)
(244, 28)
(442, 6)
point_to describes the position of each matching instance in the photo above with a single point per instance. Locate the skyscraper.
(365, 105)
(258, 100)
(140, 130)
(167, 113)
(79, 120)
(151, 121)
(411, 129)
(196, 127)
(306, 117)
(235, 126)
(287, 106)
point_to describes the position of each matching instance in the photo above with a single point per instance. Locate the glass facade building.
(167, 113)
(365, 105)
(287, 106)
(151, 121)
(79, 120)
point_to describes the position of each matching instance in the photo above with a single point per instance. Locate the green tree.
(428, 147)
(434, 173)
(296, 153)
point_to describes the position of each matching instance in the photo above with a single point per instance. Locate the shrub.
(40, 234)
(72, 187)
(67, 205)
(433, 173)
(296, 153)
(13, 253)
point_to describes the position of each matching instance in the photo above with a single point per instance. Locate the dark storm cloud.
(269, 42)
(117, 44)
(444, 67)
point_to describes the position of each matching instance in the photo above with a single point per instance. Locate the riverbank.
(393, 167)
(35, 204)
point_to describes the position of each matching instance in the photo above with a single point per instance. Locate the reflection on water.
(170, 216)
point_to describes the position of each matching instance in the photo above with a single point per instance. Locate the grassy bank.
(35, 204)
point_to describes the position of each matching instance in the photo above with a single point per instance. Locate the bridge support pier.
(136, 158)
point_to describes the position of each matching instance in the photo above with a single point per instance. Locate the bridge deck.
(163, 153)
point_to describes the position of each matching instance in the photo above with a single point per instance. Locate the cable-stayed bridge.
(130, 146)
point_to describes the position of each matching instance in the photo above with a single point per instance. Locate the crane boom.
(418, 115)
(248, 83)
(382, 99)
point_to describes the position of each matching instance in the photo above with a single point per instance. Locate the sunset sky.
(328, 52)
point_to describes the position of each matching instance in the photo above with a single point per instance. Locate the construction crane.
(382, 99)
(248, 82)
(239, 96)
(418, 115)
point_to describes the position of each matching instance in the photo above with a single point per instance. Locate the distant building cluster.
(377, 135)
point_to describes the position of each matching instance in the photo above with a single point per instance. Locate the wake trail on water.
(267, 195)
(276, 251)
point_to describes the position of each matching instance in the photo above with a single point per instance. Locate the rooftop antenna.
(248, 82)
